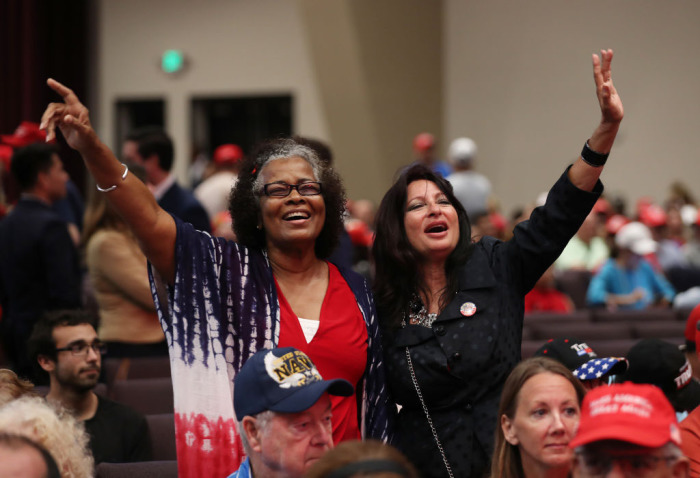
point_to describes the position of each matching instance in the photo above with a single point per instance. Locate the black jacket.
(462, 361)
(39, 271)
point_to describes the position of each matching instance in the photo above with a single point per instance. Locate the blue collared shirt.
(243, 471)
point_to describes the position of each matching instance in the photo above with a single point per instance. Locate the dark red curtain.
(41, 39)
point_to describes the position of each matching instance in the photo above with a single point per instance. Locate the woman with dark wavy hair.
(226, 299)
(452, 310)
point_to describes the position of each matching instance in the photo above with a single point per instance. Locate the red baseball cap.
(615, 222)
(360, 234)
(653, 216)
(602, 206)
(423, 142)
(629, 412)
(6, 155)
(25, 134)
(228, 154)
(691, 327)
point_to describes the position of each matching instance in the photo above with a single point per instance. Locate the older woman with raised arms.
(227, 300)
(452, 310)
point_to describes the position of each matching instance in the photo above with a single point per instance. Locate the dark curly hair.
(244, 201)
(397, 263)
(41, 341)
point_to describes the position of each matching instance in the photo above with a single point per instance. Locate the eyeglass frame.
(97, 346)
(610, 459)
(291, 187)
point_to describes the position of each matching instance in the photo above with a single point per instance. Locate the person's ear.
(252, 433)
(681, 468)
(46, 363)
(509, 430)
(41, 179)
(152, 159)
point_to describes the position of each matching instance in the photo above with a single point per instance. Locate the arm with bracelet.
(154, 228)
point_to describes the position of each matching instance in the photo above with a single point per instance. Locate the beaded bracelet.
(593, 158)
(114, 186)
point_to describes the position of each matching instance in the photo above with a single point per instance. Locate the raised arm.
(154, 228)
(582, 174)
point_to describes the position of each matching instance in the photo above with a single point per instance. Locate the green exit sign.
(172, 61)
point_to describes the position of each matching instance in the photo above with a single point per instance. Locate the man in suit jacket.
(153, 148)
(39, 267)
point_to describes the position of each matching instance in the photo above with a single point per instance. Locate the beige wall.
(367, 75)
(236, 48)
(361, 76)
(518, 81)
(379, 68)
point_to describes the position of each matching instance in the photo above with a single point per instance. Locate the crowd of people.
(292, 356)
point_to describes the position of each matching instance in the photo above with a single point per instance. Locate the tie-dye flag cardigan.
(221, 309)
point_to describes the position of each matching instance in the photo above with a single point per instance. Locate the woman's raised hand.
(610, 102)
(71, 117)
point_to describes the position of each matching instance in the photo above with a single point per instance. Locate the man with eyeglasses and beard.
(65, 345)
(628, 430)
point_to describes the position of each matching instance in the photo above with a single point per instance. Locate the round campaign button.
(468, 309)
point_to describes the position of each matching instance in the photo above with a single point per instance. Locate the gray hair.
(263, 419)
(672, 450)
(287, 148)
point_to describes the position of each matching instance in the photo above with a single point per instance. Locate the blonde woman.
(52, 428)
(12, 387)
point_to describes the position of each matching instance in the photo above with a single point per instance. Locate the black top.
(118, 434)
(462, 361)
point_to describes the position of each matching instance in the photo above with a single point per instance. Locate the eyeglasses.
(281, 189)
(81, 348)
(638, 465)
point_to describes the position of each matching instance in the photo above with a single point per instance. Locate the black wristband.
(593, 158)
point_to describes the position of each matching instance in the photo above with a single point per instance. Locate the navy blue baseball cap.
(281, 380)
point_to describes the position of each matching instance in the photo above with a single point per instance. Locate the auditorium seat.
(557, 317)
(683, 314)
(116, 368)
(161, 428)
(574, 283)
(665, 330)
(602, 315)
(144, 469)
(529, 347)
(146, 395)
(611, 347)
(583, 330)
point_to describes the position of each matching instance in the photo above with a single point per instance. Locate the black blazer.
(39, 270)
(462, 361)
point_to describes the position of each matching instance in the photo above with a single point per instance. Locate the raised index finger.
(67, 94)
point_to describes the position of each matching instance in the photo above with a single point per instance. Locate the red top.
(339, 348)
(690, 441)
(549, 300)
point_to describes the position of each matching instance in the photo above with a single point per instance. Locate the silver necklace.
(418, 314)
